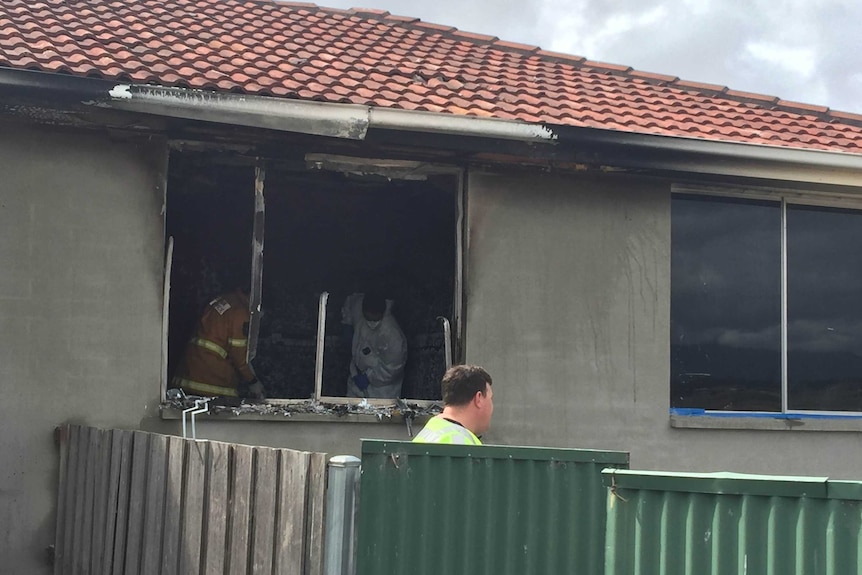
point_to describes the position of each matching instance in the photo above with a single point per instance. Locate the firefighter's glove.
(361, 381)
(244, 389)
(256, 390)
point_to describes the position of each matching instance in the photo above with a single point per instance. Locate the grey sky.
(802, 50)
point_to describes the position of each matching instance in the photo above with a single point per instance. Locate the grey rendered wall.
(568, 307)
(568, 302)
(80, 309)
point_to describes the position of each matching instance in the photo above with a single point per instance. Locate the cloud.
(792, 59)
(754, 46)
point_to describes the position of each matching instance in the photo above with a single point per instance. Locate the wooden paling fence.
(143, 503)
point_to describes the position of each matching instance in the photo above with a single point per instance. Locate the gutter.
(350, 121)
(695, 155)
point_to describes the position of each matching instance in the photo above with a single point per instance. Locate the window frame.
(416, 168)
(394, 169)
(784, 198)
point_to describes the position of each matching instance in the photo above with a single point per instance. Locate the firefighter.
(216, 359)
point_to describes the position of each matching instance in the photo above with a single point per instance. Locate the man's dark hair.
(373, 303)
(461, 383)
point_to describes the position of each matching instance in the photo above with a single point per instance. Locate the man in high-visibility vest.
(216, 358)
(467, 408)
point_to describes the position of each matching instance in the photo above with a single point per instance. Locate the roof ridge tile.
(801, 106)
(654, 77)
(288, 3)
(474, 36)
(373, 11)
(717, 88)
(525, 48)
(402, 19)
(435, 27)
(847, 116)
(605, 66)
(751, 96)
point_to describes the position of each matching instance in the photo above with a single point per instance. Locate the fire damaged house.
(641, 262)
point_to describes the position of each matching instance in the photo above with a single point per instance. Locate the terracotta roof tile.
(370, 57)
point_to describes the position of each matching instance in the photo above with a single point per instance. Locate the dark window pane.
(725, 304)
(824, 309)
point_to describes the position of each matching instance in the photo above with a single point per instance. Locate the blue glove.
(361, 381)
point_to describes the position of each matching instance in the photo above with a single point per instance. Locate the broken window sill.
(698, 419)
(306, 411)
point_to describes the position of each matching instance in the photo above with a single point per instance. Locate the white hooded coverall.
(380, 352)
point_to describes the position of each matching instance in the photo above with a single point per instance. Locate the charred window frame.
(265, 182)
(765, 309)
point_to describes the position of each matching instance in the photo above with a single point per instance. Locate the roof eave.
(625, 149)
(721, 158)
(617, 148)
(352, 121)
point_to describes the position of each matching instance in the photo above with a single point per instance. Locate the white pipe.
(186, 412)
(206, 408)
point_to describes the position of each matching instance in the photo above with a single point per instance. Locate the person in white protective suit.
(379, 348)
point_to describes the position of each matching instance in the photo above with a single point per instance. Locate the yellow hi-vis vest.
(441, 430)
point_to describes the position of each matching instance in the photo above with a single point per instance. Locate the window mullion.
(321, 342)
(255, 295)
(783, 305)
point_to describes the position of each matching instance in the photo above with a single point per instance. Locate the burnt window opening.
(210, 215)
(324, 231)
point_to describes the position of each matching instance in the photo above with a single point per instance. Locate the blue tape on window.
(693, 411)
(686, 411)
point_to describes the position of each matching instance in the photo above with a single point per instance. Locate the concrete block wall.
(81, 260)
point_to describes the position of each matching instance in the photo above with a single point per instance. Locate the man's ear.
(477, 399)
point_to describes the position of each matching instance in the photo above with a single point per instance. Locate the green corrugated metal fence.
(721, 523)
(455, 509)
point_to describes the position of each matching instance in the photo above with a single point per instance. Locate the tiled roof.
(294, 50)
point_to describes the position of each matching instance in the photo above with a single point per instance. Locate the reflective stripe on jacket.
(441, 430)
(216, 358)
